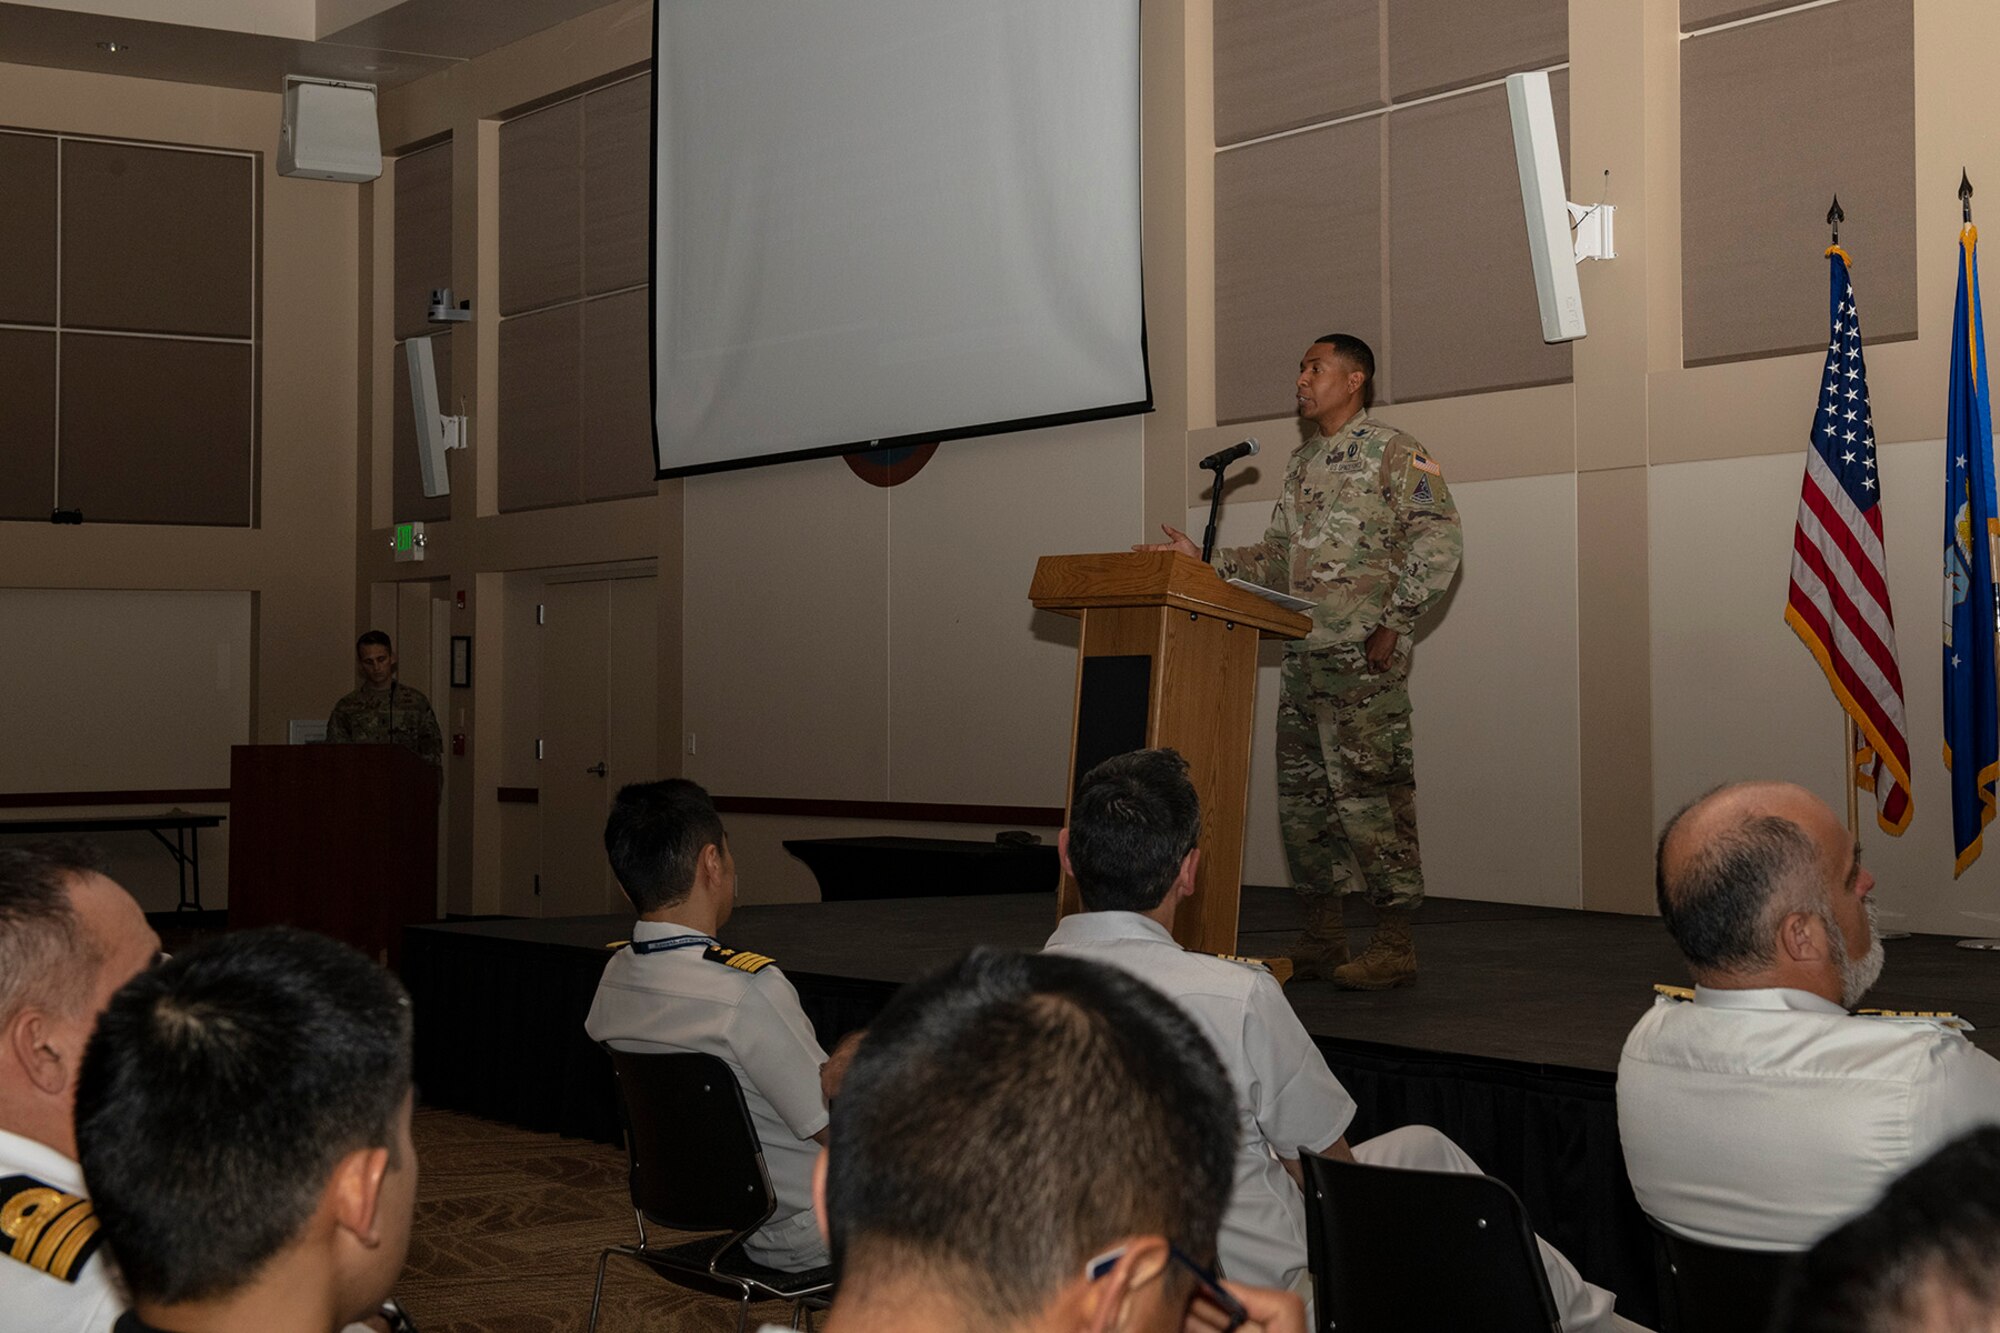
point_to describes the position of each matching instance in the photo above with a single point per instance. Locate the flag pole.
(1834, 217)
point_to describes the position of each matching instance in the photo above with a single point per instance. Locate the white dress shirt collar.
(1772, 997)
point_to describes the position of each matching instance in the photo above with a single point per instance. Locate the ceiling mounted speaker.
(329, 132)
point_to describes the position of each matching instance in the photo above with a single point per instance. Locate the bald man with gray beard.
(1760, 1113)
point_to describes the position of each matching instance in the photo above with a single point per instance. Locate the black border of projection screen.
(879, 223)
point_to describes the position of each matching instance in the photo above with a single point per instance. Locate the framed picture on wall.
(461, 661)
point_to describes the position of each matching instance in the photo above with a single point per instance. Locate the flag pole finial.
(1965, 193)
(1834, 217)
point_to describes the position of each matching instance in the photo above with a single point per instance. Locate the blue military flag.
(1971, 712)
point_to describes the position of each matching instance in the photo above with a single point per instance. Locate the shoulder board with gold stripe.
(738, 958)
(1932, 1017)
(1674, 994)
(1238, 958)
(45, 1228)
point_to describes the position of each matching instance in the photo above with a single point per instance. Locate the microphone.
(1222, 458)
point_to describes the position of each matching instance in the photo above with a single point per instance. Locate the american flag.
(1839, 601)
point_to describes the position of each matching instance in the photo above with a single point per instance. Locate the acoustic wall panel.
(1461, 284)
(1440, 44)
(27, 423)
(1280, 64)
(615, 445)
(408, 503)
(1298, 253)
(541, 208)
(1776, 118)
(617, 186)
(423, 235)
(156, 430)
(540, 409)
(158, 240)
(28, 229)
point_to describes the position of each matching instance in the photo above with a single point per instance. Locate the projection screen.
(881, 221)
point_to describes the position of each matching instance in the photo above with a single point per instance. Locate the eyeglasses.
(1206, 1286)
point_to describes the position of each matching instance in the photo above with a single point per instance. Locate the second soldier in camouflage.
(1365, 528)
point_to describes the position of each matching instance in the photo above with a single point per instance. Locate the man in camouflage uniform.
(384, 710)
(1366, 529)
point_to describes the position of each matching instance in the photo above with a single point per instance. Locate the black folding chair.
(697, 1166)
(1421, 1252)
(1714, 1289)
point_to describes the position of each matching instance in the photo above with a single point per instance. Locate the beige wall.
(1613, 645)
(840, 642)
(296, 569)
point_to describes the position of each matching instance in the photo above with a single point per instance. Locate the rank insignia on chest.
(46, 1228)
(740, 959)
(1353, 448)
(1422, 495)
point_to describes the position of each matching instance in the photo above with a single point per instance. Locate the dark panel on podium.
(340, 839)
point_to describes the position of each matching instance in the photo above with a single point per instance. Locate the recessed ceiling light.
(115, 48)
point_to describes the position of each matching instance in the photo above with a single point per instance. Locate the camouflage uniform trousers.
(1346, 782)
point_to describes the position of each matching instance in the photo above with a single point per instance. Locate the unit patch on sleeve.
(1422, 495)
(45, 1228)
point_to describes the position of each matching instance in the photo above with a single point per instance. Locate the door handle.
(598, 768)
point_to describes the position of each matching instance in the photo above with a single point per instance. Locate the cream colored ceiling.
(254, 43)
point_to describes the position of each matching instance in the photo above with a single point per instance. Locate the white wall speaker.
(329, 133)
(1538, 155)
(436, 432)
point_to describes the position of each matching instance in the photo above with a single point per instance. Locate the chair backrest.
(1714, 1289)
(1417, 1251)
(696, 1162)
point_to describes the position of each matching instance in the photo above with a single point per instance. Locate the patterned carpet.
(508, 1229)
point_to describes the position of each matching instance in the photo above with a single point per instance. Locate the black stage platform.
(1508, 1043)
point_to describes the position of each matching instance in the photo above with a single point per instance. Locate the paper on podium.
(1284, 599)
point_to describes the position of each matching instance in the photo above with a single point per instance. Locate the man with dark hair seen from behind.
(69, 938)
(1033, 1143)
(1924, 1259)
(384, 711)
(1364, 528)
(244, 1123)
(1131, 847)
(1760, 1114)
(675, 988)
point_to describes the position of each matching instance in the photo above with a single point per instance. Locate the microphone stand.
(1214, 513)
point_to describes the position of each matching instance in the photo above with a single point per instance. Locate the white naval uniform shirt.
(677, 1000)
(1286, 1097)
(1763, 1119)
(30, 1298)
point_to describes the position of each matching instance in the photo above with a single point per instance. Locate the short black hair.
(654, 838)
(1007, 1118)
(1135, 817)
(1361, 354)
(47, 958)
(1726, 898)
(218, 1093)
(375, 636)
(1925, 1256)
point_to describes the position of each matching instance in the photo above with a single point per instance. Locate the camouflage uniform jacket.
(1364, 527)
(366, 717)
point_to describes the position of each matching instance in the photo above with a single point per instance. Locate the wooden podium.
(341, 839)
(1169, 658)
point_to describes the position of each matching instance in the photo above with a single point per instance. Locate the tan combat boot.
(1322, 946)
(1390, 959)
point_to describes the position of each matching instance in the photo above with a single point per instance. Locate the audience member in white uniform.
(1130, 846)
(1028, 1144)
(1924, 1259)
(1762, 1114)
(69, 937)
(675, 988)
(243, 1121)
